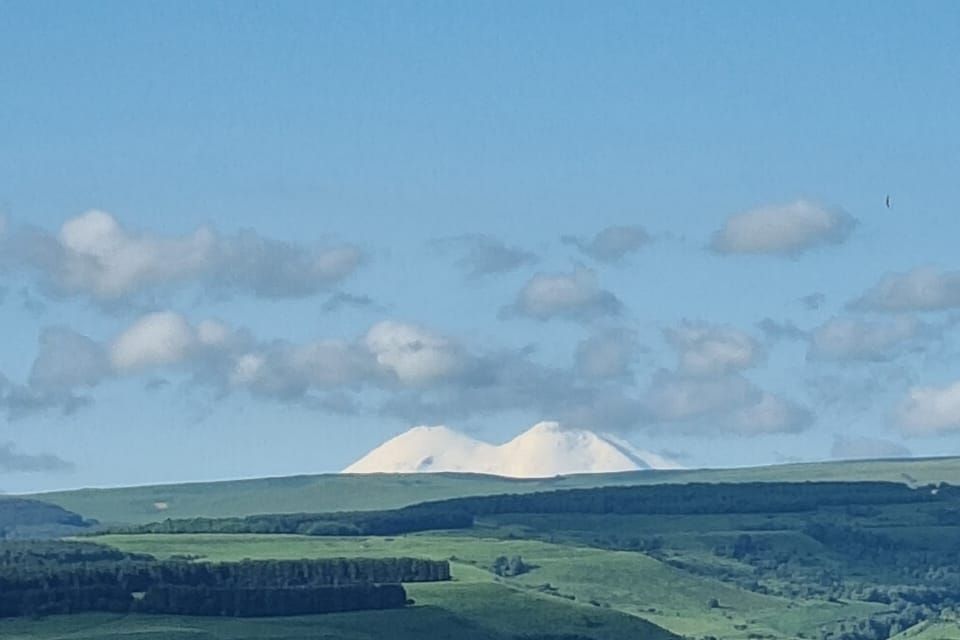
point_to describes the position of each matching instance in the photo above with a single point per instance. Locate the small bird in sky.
(888, 202)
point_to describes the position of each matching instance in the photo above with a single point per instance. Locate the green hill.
(339, 492)
(28, 518)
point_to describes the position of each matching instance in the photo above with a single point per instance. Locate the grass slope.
(594, 582)
(338, 492)
(474, 608)
(485, 613)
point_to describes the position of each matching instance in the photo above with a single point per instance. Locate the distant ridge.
(358, 492)
(543, 451)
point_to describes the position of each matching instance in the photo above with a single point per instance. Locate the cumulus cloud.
(389, 356)
(611, 244)
(783, 229)
(95, 256)
(13, 461)
(413, 354)
(721, 404)
(574, 296)
(406, 370)
(931, 410)
(510, 380)
(248, 262)
(707, 393)
(854, 339)
(291, 371)
(854, 447)
(607, 355)
(156, 339)
(709, 350)
(922, 289)
(483, 255)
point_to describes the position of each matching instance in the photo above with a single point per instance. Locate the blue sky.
(243, 239)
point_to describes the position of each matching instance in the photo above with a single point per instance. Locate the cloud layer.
(922, 289)
(784, 229)
(854, 339)
(705, 350)
(93, 255)
(573, 296)
(931, 410)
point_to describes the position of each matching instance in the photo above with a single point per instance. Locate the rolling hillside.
(344, 492)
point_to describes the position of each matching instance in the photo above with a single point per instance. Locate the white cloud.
(931, 410)
(785, 229)
(922, 289)
(94, 255)
(98, 256)
(248, 262)
(708, 350)
(849, 339)
(156, 339)
(611, 244)
(413, 354)
(575, 296)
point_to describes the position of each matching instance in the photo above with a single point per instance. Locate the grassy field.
(469, 612)
(474, 606)
(335, 492)
(589, 579)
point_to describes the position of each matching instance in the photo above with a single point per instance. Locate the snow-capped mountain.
(545, 450)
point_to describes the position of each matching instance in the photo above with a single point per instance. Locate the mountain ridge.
(547, 449)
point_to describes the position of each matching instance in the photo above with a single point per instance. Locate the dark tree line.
(72, 577)
(362, 523)
(292, 601)
(700, 498)
(664, 499)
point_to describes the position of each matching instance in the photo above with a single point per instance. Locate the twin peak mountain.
(545, 450)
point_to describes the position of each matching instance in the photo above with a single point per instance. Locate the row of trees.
(202, 600)
(701, 498)
(136, 575)
(361, 523)
(34, 581)
(664, 499)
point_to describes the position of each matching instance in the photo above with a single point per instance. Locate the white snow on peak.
(546, 449)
